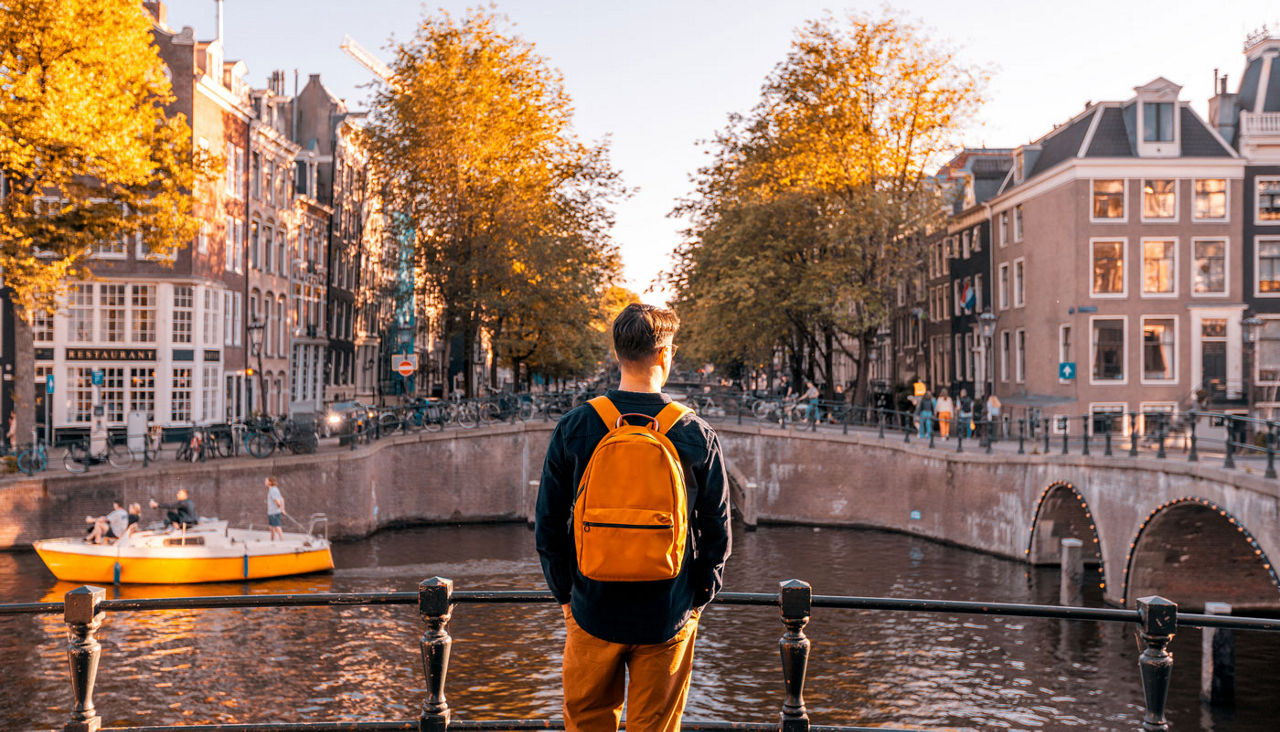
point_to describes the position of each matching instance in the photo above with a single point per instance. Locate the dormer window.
(1157, 122)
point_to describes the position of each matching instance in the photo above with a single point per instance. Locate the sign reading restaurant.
(111, 354)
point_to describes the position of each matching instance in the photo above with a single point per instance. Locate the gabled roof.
(1111, 139)
(1062, 144)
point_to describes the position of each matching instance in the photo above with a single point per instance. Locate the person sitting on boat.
(182, 513)
(135, 518)
(111, 526)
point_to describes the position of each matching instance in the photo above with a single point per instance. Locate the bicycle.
(283, 435)
(79, 457)
(33, 459)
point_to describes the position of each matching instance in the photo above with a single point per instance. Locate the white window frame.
(1170, 408)
(1124, 352)
(1062, 356)
(1020, 355)
(1257, 199)
(1124, 194)
(1226, 266)
(1226, 204)
(1124, 263)
(1020, 283)
(1107, 407)
(1003, 236)
(1006, 348)
(1142, 373)
(1018, 223)
(1177, 200)
(1003, 285)
(1142, 244)
(1258, 241)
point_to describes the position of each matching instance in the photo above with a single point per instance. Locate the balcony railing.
(1260, 123)
(85, 608)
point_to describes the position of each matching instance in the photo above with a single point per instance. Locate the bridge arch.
(1063, 513)
(1192, 551)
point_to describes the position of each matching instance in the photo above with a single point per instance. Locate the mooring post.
(83, 618)
(796, 599)
(1071, 582)
(1218, 660)
(1158, 620)
(434, 604)
(1193, 456)
(1084, 432)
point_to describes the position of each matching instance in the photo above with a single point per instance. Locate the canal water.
(896, 669)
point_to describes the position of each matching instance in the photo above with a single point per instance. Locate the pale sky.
(657, 76)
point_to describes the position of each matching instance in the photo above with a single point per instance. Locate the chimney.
(1224, 113)
(218, 4)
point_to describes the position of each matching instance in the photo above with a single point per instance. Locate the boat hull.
(76, 566)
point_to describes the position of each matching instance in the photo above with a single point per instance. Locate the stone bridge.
(1192, 532)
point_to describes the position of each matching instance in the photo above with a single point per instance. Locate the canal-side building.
(1122, 241)
(167, 336)
(1249, 119)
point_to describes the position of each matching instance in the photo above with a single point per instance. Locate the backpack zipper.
(586, 526)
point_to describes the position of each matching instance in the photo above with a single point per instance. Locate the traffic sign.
(48, 384)
(97, 377)
(1067, 370)
(405, 364)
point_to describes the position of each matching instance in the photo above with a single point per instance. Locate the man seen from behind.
(641, 628)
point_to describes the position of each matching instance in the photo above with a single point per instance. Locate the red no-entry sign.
(405, 363)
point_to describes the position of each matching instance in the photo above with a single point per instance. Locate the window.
(965, 245)
(1019, 283)
(1210, 199)
(1017, 222)
(42, 326)
(237, 301)
(1107, 418)
(226, 318)
(1158, 352)
(282, 253)
(1064, 348)
(255, 246)
(230, 174)
(255, 175)
(1020, 357)
(1159, 267)
(202, 238)
(180, 400)
(1108, 267)
(183, 302)
(1003, 228)
(1108, 200)
(1002, 286)
(230, 247)
(977, 239)
(111, 305)
(268, 177)
(282, 316)
(1209, 270)
(1159, 199)
(81, 313)
(1157, 122)
(143, 313)
(1268, 351)
(80, 394)
(209, 392)
(1268, 265)
(1004, 355)
(210, 317)
(1108, 349)
(113, 394)
(142, 391)
(1268, 199)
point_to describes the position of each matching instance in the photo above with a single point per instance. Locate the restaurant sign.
(111, 354)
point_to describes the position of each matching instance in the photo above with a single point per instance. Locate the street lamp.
(987, 322)
(1252, 326)
(256, 330)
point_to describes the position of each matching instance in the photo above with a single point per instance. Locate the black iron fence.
(85, 609)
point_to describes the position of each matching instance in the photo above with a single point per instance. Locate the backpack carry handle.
(622, 419)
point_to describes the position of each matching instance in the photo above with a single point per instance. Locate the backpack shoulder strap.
(671, 414)
(606, 410)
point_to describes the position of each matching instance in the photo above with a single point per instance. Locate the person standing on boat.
(182, 513)
(275, 508)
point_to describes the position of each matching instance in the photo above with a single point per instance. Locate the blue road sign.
(97, 377)
(48, 384)
(1067, 370)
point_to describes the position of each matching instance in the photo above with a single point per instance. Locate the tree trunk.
(862, 380)
(24, 377)
(828, 364)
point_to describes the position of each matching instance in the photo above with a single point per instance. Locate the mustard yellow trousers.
(595, 682)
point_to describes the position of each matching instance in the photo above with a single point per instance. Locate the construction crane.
(366, 59)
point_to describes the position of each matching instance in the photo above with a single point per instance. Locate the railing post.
(83, 618)
(1229, 460)
(1022, 430)
(1161, 434)
(880, 415)
(1066, 433)
(1046, 435)
(844, 419)
(1192, 455)
(906, 430)
(434, 604)
(933, 430)
(1158, 620)
(1133, 434)
(1084, 434)
(1107, 450)
(959, 438)
(1271, 453)
(989, 434)
(796, 599)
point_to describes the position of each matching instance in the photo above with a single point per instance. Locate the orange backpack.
(631, 512)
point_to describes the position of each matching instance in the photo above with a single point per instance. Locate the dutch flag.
(968, 296)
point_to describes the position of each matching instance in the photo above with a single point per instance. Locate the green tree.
(507, 210)
(811, 211)
(87, 153)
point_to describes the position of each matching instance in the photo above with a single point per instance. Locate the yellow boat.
(210, 551)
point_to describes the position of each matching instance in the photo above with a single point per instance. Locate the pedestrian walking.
(924, 416)
(275, 508)
(966, 413)
(993, 416)
(632, 599)
(945, 408)
(810, 397)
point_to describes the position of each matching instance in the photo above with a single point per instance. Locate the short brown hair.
(640, 330)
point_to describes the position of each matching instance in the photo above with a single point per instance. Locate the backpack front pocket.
(627, 545)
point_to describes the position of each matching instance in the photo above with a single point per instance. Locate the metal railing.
(85, 609)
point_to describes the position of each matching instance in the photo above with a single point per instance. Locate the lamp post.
(256, 330)
(1251, 326)
(987, 321)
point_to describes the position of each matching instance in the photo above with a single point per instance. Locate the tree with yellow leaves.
(507, 211)
(87, 153)
(810, 213)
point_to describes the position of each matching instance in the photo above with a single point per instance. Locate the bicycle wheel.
(224, 444)
(526, 411)
(32, 461)
(467, 417)
(260, 444)
(388, 422)
(487, 413)
(75, 460)
(120, 456)
(433, 419)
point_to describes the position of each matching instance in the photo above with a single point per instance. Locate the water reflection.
(868, 667)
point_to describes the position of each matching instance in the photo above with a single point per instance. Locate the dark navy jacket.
(633, 612)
